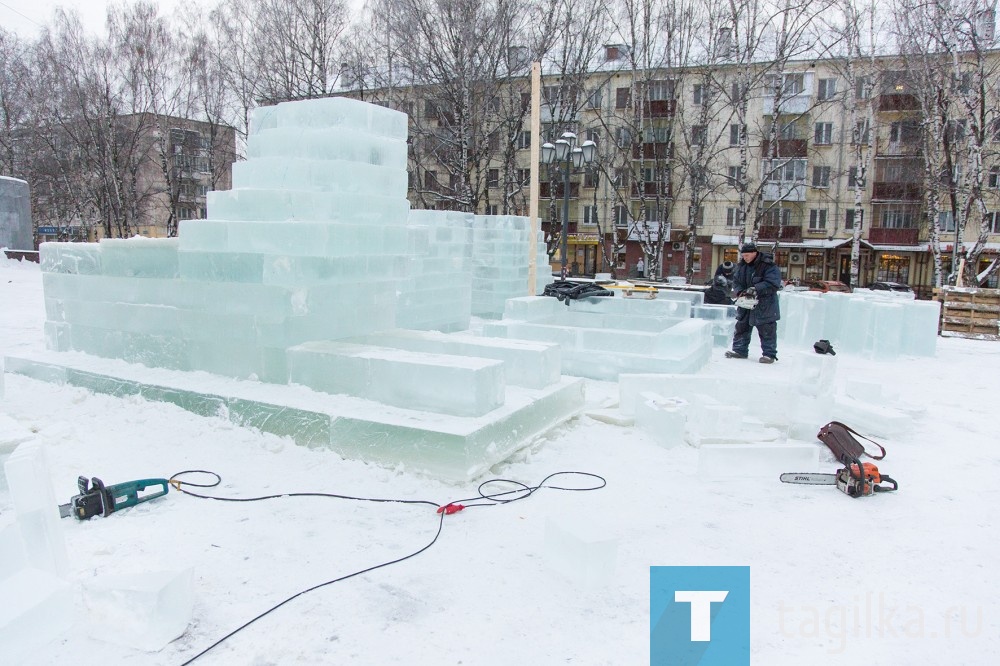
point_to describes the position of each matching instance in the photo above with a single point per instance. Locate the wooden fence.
(969, 313)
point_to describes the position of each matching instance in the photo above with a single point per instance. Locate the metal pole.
(565, 224)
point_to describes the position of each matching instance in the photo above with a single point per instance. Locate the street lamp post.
(568, 156)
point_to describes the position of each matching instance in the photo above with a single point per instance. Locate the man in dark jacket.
(756, 276)
(718, 292)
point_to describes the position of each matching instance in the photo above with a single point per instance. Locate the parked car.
(890, 286)
(825, 286)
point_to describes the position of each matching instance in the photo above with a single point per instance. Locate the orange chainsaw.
(856, 480)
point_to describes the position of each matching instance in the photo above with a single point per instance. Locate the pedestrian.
(640, 268)
(726, 268)
(757, 280)
(718, 292)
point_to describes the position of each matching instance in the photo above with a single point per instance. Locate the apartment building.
(638, 194)
(162, 170)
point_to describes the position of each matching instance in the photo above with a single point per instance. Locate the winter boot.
(732, 354)
(767, 359)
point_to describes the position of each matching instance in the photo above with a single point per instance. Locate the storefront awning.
(808, 244)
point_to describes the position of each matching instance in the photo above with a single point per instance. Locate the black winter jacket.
(763, 275)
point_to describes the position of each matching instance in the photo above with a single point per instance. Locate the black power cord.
(519, 492)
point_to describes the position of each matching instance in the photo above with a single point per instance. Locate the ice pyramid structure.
(304, 274)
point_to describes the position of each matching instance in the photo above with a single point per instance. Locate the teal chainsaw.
(97, 499)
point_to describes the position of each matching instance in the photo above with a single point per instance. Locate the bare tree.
(282, 49)
(951, 43)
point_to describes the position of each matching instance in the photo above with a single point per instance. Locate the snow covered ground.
(905, 578)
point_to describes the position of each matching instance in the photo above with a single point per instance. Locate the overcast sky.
(25, 17)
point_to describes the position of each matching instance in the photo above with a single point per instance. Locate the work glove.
(751, 292)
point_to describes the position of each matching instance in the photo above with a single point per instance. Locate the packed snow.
(903, 577)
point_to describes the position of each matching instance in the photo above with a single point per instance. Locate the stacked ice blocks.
(437, 293)
(304, 274)
(311, 244)
(865, 322)
(604, 337)
(500, 262)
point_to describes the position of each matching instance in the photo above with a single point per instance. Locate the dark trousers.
(768, 337)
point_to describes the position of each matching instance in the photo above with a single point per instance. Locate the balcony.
(650, 189)
(889, 191)
(786, 148)
(885, 147)
(558, 113)
(788, 234)
(898, 102)
(795, 104)
(660, 108)
(549, 190)
(794, 190)
(652, 151)
(886, 236)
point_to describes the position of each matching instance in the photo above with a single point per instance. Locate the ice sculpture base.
(452, 448)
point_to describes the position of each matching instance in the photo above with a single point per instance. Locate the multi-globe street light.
(568, 156)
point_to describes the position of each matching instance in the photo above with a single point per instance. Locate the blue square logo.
(699, 616)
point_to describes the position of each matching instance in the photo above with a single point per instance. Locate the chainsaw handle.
(126, 494)
(887, 479)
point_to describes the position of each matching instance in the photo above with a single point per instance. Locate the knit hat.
(748, 247)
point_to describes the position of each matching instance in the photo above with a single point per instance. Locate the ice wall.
(874, 324)
(314, 242)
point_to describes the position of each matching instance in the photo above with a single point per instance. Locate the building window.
(824, 134)
(863, 87)
(699, 94)
(734, 134)
(735, 175)
(621, 216)
(849, 218)
(524, 140)
(893, 268)
(699, 134)
(699, 214)
(522, 176)
(590, 214)
(777, 217)
(622, 97)
(623, 137)
(814, 266)
(817, 219)
(790, 131)
(906, 131)
(852, 177)
(861, 132)
(827, 89)
(785, 171)
(431, 181)
(994, 177)
(492, 177)
(898, 219)
(661, 90)
(821, 176)
(946, 222)
(732, 217)
(994, 222)
(591, 177)
(595, 97)
(492, 209)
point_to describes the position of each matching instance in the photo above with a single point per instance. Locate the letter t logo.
(701, 610)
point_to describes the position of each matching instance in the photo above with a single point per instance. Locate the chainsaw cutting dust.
(904, 576)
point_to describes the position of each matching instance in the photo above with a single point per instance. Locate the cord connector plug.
(449, 509)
